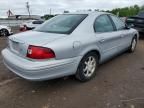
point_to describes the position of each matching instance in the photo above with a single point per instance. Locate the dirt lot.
(119, 84)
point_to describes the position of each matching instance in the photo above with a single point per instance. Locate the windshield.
(64, 24)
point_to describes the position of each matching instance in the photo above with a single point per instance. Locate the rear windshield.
(64, 24)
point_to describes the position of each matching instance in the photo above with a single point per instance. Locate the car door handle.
(102, 40)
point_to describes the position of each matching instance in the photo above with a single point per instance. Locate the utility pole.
(50, 11)
(28, 8)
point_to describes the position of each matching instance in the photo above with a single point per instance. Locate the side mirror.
(131, 25)
(127, 27)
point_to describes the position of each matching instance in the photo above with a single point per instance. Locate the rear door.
(109, 38)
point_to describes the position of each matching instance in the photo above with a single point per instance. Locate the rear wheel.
(133, 45)
(87, 67)
(4, 32)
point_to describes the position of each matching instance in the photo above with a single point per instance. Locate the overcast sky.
(42, 7)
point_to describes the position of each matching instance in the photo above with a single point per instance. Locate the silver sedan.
(68, 44)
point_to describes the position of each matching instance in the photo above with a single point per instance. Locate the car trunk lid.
(19, 43)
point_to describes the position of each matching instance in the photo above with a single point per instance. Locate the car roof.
(88, 12)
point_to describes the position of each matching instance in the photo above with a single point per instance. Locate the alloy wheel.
(3, 32)
(90, 66)
(133, 45)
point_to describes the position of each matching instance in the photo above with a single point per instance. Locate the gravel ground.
(119, 84)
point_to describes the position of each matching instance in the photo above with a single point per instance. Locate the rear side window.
(120, 25)
(103, 24)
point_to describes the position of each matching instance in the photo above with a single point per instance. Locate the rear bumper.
(39, 70)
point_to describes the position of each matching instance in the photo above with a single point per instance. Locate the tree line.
(121, 12)
(127, 11)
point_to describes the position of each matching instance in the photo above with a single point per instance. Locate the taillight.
(36, 52)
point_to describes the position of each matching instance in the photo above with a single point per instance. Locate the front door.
(125, 40)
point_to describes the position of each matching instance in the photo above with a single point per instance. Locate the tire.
(86, 69)
(4, 32)
(133, 45)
